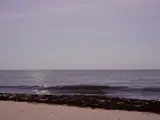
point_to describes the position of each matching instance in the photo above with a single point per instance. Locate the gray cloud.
(79, 34)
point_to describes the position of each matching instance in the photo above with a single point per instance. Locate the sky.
(79, 34)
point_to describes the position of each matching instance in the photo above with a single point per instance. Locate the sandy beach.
(29, 111)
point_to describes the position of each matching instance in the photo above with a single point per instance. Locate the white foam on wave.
(44, 92)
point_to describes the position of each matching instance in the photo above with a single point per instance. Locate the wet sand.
(29, 111)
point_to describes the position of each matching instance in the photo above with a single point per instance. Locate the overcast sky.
(79, 34)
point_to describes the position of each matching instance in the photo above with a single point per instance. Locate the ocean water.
(116, 83)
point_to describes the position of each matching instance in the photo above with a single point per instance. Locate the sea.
(135, 84)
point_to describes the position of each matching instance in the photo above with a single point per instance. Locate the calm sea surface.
(128, 84)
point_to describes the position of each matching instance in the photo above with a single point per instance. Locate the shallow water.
(128, 84)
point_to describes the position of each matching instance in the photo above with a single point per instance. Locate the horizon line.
(79, 69)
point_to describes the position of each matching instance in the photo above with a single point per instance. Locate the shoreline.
(10, 110)
(101, 102)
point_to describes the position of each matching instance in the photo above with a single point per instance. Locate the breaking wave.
(84, 89)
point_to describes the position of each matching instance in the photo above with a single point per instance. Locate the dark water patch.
(122, 91)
